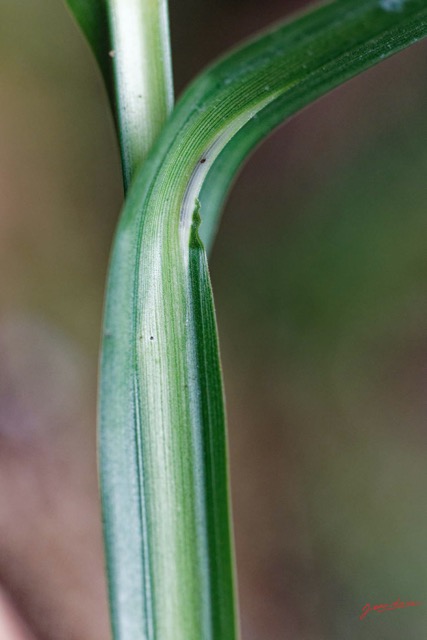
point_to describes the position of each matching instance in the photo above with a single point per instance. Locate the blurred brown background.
(320, 280)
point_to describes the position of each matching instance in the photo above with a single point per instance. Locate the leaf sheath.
(162, 426)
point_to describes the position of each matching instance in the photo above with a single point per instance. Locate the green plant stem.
(130, 40)
(162, 426)
(143, 76)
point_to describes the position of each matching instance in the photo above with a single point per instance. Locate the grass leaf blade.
(163, 451)
(92, 17)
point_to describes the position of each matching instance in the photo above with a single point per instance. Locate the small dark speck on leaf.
(202, 160)
(151, 337)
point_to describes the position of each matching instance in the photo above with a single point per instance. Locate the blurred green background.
(320, 280)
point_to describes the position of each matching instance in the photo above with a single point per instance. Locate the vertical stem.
(142, 67)
(143, 76)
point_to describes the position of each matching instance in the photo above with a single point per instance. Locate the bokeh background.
(320, 280)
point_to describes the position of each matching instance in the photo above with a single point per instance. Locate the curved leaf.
(92, 16)
(163, 451)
